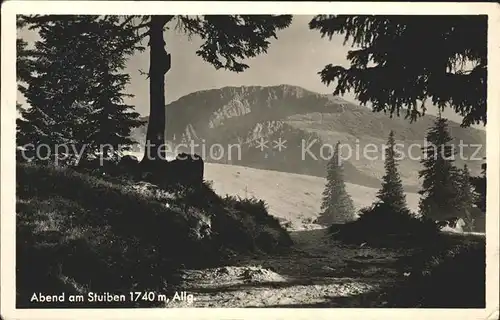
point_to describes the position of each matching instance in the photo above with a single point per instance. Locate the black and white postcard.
(234, 160)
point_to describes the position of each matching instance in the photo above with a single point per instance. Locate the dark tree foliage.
(227, 41)
(392, 192)
(380, 226)
(72, 82)
(438, 187)
(402, 61)
(22, 60)
(337, 205)
(465, 197)
(479, 184)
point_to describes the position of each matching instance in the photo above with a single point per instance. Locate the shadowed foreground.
(320, 273)
(78, 233)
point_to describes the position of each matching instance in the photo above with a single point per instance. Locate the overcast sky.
(294, 58)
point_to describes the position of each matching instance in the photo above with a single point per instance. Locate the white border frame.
(8, 115)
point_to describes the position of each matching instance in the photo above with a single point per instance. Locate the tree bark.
(158, 66)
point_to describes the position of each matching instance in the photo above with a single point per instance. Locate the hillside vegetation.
(78, 233)
(294, 198)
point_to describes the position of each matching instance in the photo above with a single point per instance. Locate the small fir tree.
(392, 192)
(465, 197)
(337, 205)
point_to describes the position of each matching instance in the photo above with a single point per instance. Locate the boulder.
(186, 169)
(129, 160)
(128, 163)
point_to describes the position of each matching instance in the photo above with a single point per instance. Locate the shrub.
(380, 225)
(448, 276)
(263, 231)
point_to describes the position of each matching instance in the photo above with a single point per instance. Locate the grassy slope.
(77, 233)
(292, 197)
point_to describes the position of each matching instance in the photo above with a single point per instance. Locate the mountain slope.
(221, 118)
(291, 197)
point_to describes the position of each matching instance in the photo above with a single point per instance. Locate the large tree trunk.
(158, 66)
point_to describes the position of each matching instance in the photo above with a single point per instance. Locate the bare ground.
(315, 273)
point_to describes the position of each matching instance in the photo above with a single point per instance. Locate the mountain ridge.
(245, 114)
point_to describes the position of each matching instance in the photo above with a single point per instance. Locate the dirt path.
(316, 273)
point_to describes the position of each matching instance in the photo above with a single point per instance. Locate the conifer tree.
(337, 205)
(465, 197)
(392, 192)
(438, 193)
(388, 60)
(74, 87)
(22, 63)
